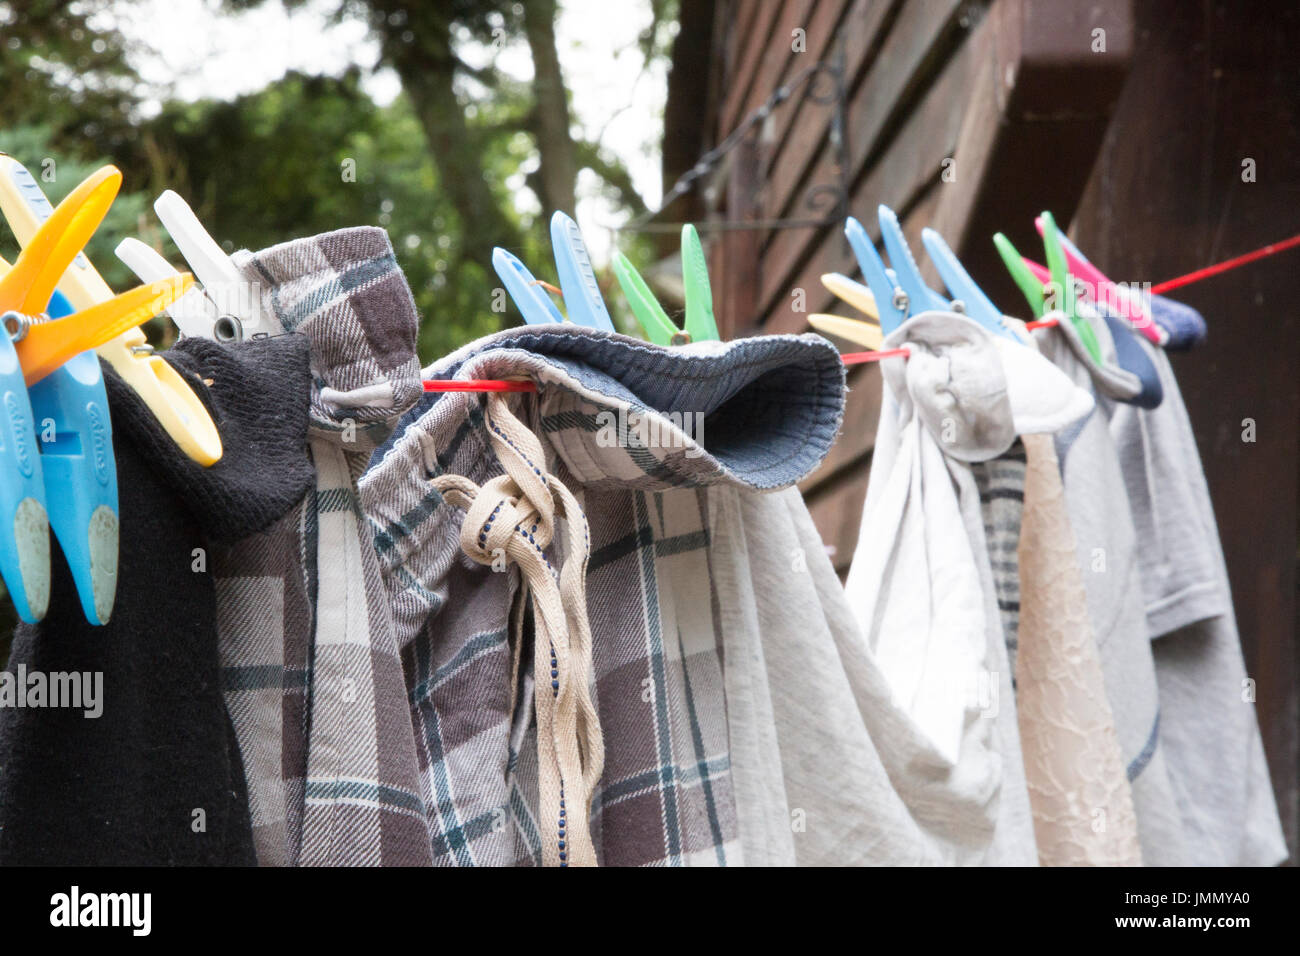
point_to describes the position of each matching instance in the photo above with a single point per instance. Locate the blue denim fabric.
(771, 404)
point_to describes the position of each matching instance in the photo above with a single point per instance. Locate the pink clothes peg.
(1100, 287)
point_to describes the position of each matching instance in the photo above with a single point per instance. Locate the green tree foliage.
(63, 69)
(305, 155)
(431, 167)
(308, 154)
(58, 171)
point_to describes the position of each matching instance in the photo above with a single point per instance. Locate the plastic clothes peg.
(48, 345)
(852, 293)
(975, 303)
(239, 316)
(161, 387)
(700, 325)
(24, 522)
(195, 315)
(582, 298)
(1062, 279)
(80, 473)
(1030, 285)
(658, 327)
(890, 300)
(1103, 287)
(920, 297)
(866, 334)
(528, 295)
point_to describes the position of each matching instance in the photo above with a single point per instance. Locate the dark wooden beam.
(1213, 86)
(1034, 126)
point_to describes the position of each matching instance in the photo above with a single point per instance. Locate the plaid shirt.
(368, 662)
(657, 606)
(311, 672)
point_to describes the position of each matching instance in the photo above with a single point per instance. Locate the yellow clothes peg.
(25, 288)
(853, 293)
(162, 388)
(44, 346)
(866, 334)
(51, 247)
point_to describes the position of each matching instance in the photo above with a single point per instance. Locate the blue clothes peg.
(528, 295)
(582, 299)
(24, 523)
(80, 473)
(958, 281)
(920, 297)
(883, 284)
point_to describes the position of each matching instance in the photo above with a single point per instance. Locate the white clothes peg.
(236, 300)
(194, 314)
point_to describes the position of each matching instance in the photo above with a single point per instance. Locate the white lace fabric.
(1081, 799)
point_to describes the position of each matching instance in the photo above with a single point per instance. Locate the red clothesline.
(478, 385)
(1273, 248)
(857, 358)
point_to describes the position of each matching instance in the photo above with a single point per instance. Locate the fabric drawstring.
(515, 515)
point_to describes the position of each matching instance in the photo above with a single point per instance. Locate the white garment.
(920, 585)
(928, 641)
(827, 769)
(962, 395)
(1013, 837)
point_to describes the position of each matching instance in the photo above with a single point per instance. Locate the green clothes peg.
(1032, 286)
(1028, 283)
(659, 328)
(700, 324)
(1058, 265)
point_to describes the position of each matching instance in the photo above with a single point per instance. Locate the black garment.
(135, 784)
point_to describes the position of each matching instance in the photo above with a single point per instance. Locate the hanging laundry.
(921, 573)
(984, 762)
(672, 593)
(638, 450)
(1083, 806)
(1209, 730)
(310, 667)
(1183, 324)
(1108, 557)
(1001, 485)
(586, 618)
(1133, 359)
(157, 777)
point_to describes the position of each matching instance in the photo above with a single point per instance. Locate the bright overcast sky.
(199, 52)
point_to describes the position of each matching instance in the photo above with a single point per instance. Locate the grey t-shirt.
(1208, 726)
